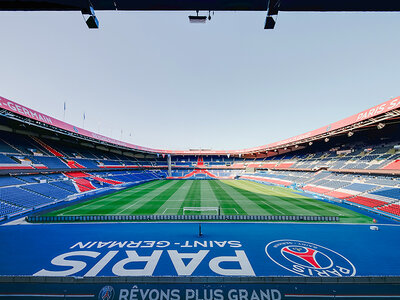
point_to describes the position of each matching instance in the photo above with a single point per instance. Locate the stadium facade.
(53, 175)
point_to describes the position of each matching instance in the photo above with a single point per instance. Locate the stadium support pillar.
(169, 166)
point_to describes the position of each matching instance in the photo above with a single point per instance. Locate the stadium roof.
(249, 5)
(272, 7)
(373, 116)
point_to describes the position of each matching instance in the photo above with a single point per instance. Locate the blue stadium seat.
(48, 190)
(22, 198)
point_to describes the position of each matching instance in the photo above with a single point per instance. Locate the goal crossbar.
(202, 209)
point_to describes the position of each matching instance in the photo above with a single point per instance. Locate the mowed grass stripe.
(193, 196)
(300, 204)
(316, 207)
(151, 206)
(208, 197)
(117, 206)
(250, 207)
(330, 209)
(228, 205)
(305, 203)
(283, 204)
(233, 196)
(322, 208)
(112, 204)
(286, 192)
(173, 204)
(116, 199)
(252, 200)
(141, 199)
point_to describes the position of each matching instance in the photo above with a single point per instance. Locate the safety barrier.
(151, 218)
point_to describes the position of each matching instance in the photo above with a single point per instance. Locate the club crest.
(307, 259)
(106, 293)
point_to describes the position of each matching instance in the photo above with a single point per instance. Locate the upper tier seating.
(32, 178)
(5, 148)
(50, 162)
(388, 192)
(395, 165)
(360, 187)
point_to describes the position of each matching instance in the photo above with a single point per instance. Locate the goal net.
(209, 210)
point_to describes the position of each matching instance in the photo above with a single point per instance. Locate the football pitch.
(227, 197)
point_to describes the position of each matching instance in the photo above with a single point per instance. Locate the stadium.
(91, 217)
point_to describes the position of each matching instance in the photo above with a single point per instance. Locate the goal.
(211, 210)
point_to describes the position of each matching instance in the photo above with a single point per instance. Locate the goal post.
(216, 209)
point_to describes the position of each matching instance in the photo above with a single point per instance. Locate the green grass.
(169, 197)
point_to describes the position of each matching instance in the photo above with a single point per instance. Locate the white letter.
(276, 295)
(80, 245)
(101, 264)
(232, 295)
(123, 294)
(243, 294)
(189, 294)
(61, 261)
(241, 258)
(196, 259)
(235, 244)
(151, 263)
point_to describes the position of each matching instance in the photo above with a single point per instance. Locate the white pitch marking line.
(139, 201)
(283, 193)
(135, 203)
(272, 207)
(91, 202)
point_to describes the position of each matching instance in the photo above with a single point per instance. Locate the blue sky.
(228, 84)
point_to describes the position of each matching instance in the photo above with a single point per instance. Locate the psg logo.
(307, 259)
(106, 293)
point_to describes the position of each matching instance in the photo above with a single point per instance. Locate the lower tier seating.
(366, 201)
(391, 208)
